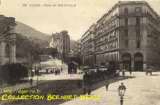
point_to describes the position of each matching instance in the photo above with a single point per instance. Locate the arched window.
(138, 61)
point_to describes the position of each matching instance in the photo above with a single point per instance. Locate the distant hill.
(32, 34)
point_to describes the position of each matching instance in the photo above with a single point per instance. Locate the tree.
(27, 48)
(12, 73)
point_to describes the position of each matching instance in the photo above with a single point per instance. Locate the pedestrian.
(61, 69)
(130, 71)
(123, 72)
(87, 83)
(117, 72)
(31, 81)
(47, 71)
(84, 82)
(107, 85)
(149, 70)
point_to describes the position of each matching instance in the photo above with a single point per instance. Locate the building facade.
(75, 48)
(75, 52)
(88, 46)
(129, 34)
(7, 40)
(61, 41)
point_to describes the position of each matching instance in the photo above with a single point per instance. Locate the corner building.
(130, 35)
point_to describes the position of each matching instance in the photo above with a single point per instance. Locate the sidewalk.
(142, 90)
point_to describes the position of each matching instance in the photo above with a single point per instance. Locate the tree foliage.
(12, 73)
(27, 48)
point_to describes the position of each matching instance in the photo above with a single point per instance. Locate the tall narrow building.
(7, 40)
(61, 41)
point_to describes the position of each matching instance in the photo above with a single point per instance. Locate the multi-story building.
(129, 33)
(75, 52)
(88, 46)
(76, 47)
(7, 40)
(61, 41)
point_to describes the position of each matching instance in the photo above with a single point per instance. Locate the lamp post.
(36, 73)
(121, 92)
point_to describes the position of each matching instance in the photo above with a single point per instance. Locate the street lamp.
(36, 73)
(121, 92)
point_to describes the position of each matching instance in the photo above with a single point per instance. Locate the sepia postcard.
(79, 52)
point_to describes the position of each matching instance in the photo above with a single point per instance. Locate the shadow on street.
(64, 87)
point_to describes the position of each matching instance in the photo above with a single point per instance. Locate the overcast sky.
(75, 19)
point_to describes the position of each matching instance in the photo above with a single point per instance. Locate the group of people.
(147, 71)
(123, 72)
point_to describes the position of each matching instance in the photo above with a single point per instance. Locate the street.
(61, 76)
(103, 53)
(142, 90)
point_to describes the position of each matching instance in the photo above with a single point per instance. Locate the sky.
(76, 16)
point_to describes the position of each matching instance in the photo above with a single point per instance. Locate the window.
(138, 9)
(114, 33)
(138, 21)
(138, 28)
(138, 44)
(126, 32)
(7, 50)
(126, 11)
(106, 47)
(126, 22)
(138, 35)
(126, 43)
